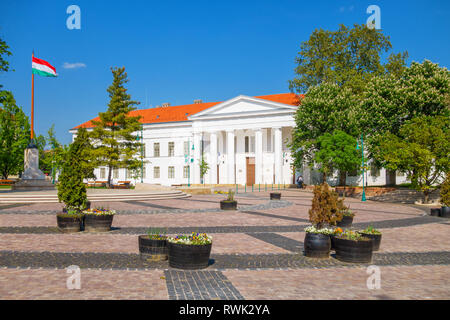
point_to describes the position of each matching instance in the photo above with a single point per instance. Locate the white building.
(243, 140)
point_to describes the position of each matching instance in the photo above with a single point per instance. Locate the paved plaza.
(257, 252)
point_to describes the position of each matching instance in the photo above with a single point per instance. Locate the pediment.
(243, 105)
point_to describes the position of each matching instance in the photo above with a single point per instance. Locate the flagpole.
(32, 101)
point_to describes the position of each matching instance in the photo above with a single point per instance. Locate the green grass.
(5, 187)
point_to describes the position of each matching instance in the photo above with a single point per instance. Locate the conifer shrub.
(326, 207)
(71, 188)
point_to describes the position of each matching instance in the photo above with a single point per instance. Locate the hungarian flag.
(43, 68)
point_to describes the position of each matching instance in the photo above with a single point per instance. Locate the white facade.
(243, 140)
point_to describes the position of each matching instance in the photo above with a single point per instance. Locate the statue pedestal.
(32, 178)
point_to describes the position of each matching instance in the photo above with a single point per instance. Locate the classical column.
(230, 157)
(278, 155)
(197, 158)
(258, 156)
(213, 158)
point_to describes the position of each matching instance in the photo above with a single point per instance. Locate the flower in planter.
(230, 195)
(370, 230)
(352, 235)
(313, 229)
(348, 213)
(71, 212)
(193, 239)
(157, 234)
(99, 212)
(338, 231)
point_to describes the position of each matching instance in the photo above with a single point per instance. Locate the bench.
(121, 185)
(96, 184)
(6, 182)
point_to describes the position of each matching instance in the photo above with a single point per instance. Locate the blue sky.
(178, 51)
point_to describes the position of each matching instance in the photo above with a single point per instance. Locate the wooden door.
(250, 168)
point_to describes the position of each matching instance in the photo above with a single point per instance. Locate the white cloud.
(74, 65)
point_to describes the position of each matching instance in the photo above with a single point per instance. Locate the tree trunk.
(324, 177)
(342, 178)
(426, 197)
(108, 183)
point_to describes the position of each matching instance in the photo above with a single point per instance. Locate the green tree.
(421, 149)
(87, 161)
(324, 109)
(14, 135)
(204, 167)
(445, 191)
(4, 64)
(53, 153)
(346, 57)
(337, 151)
(115, 144)
(71, 188)
(389, 101)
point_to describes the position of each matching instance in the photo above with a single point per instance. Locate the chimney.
(197, 101)
(165, 104)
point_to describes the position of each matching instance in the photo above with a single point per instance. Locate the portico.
(245, 141)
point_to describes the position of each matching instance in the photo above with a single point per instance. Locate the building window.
(171, 149)
(247, 144)
(186, 147)
(156, 149)
(186, 172)
(102, 173)
(156, 172)
(171, 173)
(116, 173)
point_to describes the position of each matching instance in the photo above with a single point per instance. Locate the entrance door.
(218, 176)
(250, 167)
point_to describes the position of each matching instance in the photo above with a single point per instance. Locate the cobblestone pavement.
(257, 252)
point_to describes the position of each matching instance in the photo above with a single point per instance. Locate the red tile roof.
(181, 113)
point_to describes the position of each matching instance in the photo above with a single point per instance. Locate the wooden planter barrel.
(228, 205)
(69, 224)
(275, 196)
(346, 222)
(436, 212)
(151, 249)
(317, 245)
(445, 212)
(376, 240)
(98, 223)
(357, 251)
(185, 256)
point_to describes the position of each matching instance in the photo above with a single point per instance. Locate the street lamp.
(358, 146)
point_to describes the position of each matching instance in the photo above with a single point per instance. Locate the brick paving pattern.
(257, 252)
(200, 285)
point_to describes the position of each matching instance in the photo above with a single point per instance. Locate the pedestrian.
(300, 182)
